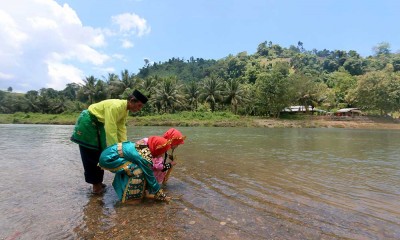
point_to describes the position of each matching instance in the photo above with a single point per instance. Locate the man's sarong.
(89, 132)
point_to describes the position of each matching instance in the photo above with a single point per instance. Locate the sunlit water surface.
(230, 183)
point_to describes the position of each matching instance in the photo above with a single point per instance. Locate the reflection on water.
(230, 183)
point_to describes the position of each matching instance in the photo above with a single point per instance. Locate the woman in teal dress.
(132, 165)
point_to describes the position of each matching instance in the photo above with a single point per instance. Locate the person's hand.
(161, 196)
(173, 163)
(167, 199)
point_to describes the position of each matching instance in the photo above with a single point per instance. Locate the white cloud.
(81, 53)
(131, 23)
(126, 43)
(41, 23)
(104, 71)
(120, 57)
(60, 74)
(5, 76)
(12, 36)
(45, 44)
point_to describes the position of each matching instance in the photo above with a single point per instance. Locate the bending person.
(132, 165)
(176, 138)
(159, 164)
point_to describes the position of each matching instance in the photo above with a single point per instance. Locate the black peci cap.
(139, 96)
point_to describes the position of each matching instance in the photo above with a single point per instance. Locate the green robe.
(89, 132)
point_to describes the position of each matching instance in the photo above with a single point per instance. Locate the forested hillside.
(260, 84)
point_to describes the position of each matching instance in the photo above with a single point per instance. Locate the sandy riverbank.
(217, 120)
(369, 123)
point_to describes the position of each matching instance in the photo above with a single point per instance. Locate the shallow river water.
(229, 183)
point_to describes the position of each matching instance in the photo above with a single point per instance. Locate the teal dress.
(132, 166)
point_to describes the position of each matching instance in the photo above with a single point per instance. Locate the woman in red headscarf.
(158, 165)
(176, 138)
(132, 165)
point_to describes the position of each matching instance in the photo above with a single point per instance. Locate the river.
(229, 183)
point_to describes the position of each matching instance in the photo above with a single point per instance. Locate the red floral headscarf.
(175, 136)
(158, 145)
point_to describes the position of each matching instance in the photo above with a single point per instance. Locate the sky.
(50, 43)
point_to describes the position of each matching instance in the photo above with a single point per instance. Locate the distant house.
(349, 112)
(301, 109)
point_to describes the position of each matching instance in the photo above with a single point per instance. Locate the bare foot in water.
(98, 188)
(133, 202)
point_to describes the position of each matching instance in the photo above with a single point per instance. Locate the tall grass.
(178, 119)
(38, 118)
(192, 119)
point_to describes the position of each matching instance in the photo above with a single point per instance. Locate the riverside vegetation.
(217, 119)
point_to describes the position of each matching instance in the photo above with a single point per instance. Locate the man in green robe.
(103, 124)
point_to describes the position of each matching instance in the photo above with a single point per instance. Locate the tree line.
(259, 84)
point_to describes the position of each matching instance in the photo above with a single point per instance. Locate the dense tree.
(44, 101)
(354, 66)
(253, 68)
(235, 68)
(273, 91)
(275, 51)
(379, 91)
(382, 48)
(12, 102)
(307, 92)
(306, 63)
(71, 91)
(342, 83)
(262, 49)
(396, 63)
(300, 46)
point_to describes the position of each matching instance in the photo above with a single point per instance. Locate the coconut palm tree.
(149, 85)
(112, 81)
(71, 91)
(193, 94)
(119, 85)
(32, 97)
(211, 91)
(101, 91)
(89, 88)
(167, 95)
(234, 93)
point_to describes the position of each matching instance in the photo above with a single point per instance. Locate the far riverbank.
(217, 119)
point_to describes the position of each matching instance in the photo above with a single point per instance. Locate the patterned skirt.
(135, 188)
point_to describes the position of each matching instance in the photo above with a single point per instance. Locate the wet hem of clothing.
(84, 144)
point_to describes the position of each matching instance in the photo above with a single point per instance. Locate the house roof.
(296, 109)
(301, 109)
(348, 110)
